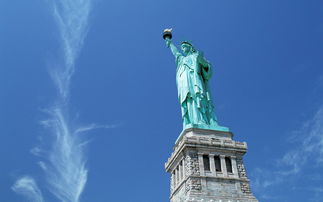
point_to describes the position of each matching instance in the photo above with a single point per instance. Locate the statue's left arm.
(206, 67)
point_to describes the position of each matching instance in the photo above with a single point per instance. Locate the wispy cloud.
(66, 166)
(306, 152)
(72, 18)
(65, 160)
(93, 126)
(28, 187)
(310, 138)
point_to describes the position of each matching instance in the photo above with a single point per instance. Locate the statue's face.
(186, 48)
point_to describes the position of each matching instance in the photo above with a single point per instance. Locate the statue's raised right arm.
(173, 48)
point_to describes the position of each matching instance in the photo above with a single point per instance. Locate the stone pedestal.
(206, 165)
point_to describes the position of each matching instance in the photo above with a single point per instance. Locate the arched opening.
(206, 162)
(217, 162)
(228, 164)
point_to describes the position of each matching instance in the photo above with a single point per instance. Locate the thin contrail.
(65, 161)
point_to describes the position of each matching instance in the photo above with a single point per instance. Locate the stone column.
(180, 173)
(176, 177)
(212, 164)
(201, 164)
(183, 168)
(172, 186)
(234, 166)
(223, 166)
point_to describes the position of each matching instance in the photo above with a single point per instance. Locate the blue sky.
(267, 88)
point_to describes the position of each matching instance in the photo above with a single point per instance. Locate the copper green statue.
(192, 76)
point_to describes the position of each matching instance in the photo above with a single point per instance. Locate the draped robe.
(192, 75)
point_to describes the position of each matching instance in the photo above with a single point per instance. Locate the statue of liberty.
(192, 75)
